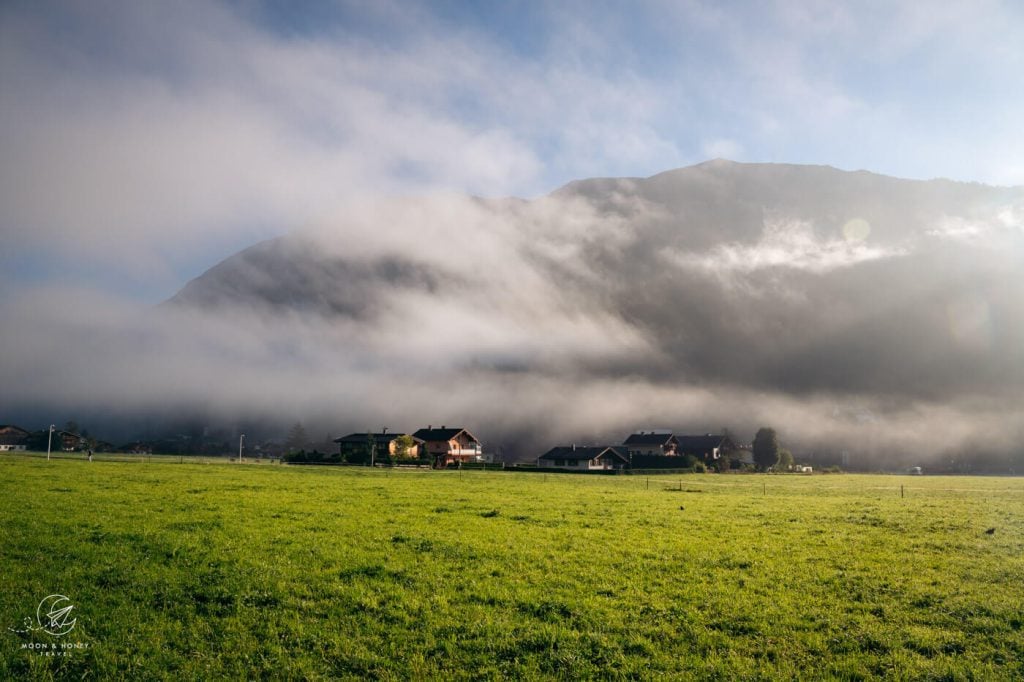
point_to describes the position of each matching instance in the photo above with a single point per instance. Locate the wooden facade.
(13, 438)
(447, 446)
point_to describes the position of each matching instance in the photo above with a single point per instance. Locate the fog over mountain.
(849, 310)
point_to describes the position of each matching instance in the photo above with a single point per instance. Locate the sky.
(143, 142)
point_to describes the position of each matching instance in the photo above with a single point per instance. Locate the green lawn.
(199, 571)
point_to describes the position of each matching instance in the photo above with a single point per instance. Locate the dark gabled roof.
(12, 439)
(692, 445)
(650, 438)
(12, 427)
(443, 433)
(378, 438)
(572, 452)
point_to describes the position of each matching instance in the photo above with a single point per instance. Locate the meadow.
(190, 570)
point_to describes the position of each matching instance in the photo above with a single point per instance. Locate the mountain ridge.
(803, 283)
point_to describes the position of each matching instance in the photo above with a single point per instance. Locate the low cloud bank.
(605, 307)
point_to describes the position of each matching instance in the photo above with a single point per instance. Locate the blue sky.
(142, 142)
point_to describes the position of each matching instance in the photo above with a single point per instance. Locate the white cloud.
(785, 244)
(199, 124)
(134, 131)
(252, 131)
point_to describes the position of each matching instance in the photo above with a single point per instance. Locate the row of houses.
(649, 449)
(443, 446)
(16, 439)
(453, 446)
(448, 446)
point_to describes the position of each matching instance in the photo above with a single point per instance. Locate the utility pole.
(49, 442)
(241, 444)
(373, 455)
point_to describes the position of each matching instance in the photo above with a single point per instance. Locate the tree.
(732, 455)
(404, 445)
(785, 459)
(766, 448)
(296, 438)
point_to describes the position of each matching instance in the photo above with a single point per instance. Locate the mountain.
(722, 293)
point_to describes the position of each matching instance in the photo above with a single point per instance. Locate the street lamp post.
(241, 444)
(49, 442)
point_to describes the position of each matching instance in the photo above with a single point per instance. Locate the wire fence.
(138, 458)
(875, 485)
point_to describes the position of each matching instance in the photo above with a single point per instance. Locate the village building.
(367, 446)
(585, 458)
(13, 438)
(651, 443)
(446, 446)
(706, 448)
(70, 442)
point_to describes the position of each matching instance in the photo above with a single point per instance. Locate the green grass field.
(200, 571)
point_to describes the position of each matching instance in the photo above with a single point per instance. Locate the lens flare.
(856, 230)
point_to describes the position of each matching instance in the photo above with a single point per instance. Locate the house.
(651, 443)
(137, 448)
(706, 448)
(449, 445)
(585, 458)
(71, 441)
(357, 447)
(13, 438)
